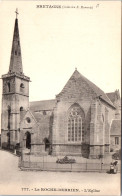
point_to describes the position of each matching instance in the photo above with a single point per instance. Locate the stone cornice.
(22, 76)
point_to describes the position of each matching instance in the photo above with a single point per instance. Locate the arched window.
(21, 109)
(28, 140)
(21, 112)
(76, 127)
(22, 87)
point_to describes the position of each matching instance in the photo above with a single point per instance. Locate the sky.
(55, 41)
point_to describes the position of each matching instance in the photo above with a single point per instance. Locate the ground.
(14, 181)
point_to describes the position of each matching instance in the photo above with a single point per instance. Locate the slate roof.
(50, 104)
(41, 118)
(114, 96)
(77, 76)
(115, 127)
(111, 96)
(37, 116)
(42, 105)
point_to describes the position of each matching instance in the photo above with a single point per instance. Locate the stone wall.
(98, 116)
(15, 99)
(74, 92)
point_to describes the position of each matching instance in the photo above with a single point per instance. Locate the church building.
(82, 120)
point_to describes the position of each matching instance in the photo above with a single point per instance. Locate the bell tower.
(15, 94)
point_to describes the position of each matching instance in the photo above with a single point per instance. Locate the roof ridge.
(43, 100)
(87, 80)
(110, 92)
(92, 83)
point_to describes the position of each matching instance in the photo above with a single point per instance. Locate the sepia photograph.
(60, 104)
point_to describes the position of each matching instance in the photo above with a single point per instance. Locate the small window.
(15, 52)
(21, 109)
(22, 85)
(116, 140)
(28, 120)
(9, 87)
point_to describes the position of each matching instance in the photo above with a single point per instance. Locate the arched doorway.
(28, 140)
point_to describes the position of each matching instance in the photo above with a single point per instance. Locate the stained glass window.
(76, 124)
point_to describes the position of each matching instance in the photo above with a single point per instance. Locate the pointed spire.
(16, 59)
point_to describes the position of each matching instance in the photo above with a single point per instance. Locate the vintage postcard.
(60, 131)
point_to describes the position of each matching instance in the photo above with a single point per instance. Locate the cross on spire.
(16, 12)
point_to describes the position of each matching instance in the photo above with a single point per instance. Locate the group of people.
(113, 167)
